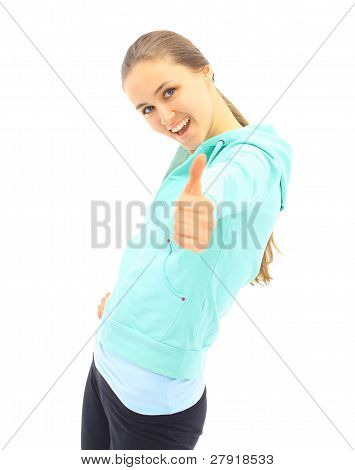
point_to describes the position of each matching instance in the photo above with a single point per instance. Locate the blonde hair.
(162, 44)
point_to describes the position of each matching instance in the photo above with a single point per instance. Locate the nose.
(166, 117)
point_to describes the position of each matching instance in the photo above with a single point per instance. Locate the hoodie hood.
(263, 136)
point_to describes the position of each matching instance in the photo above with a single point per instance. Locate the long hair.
(162, 44)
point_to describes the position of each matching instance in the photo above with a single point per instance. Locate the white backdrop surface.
(280, 376)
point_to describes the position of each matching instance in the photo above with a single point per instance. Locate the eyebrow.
(156, 91)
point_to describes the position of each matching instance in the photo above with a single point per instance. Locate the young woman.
(208, 233)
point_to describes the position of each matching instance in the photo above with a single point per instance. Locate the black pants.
(108, 424)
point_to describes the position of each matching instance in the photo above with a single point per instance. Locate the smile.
(182, 127)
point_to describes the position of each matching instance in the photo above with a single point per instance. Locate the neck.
(223, 118)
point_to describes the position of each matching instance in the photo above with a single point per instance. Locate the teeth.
(181, 125)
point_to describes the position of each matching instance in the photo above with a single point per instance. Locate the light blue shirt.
(144, 391)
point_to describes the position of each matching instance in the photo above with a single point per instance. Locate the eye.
(165, 91)
(168, 90)
(143, 112)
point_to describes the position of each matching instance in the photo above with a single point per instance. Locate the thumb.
(193, 185)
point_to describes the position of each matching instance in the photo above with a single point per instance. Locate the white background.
(55, 161)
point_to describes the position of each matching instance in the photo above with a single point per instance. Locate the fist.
(101, 306)
(194, 213)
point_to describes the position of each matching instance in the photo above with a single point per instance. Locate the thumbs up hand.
(194, 213)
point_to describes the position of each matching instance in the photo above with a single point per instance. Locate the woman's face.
(187, 94)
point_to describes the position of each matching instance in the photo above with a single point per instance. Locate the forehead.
(146, 76)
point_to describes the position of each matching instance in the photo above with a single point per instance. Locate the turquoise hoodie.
(164, 311)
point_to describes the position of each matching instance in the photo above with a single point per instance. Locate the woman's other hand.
(101, 306)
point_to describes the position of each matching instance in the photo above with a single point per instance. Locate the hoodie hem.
(150, 353)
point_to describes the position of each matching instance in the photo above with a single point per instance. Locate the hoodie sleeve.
(234, 183)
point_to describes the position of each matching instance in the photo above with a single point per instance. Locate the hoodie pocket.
(178, 282)
(168, 281)
(145, 299)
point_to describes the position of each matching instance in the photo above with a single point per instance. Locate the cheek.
(204, 105)
(155, 123)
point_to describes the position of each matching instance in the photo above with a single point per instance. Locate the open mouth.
(184, 128)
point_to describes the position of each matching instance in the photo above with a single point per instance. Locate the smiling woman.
(145, 388)
(168, 92)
